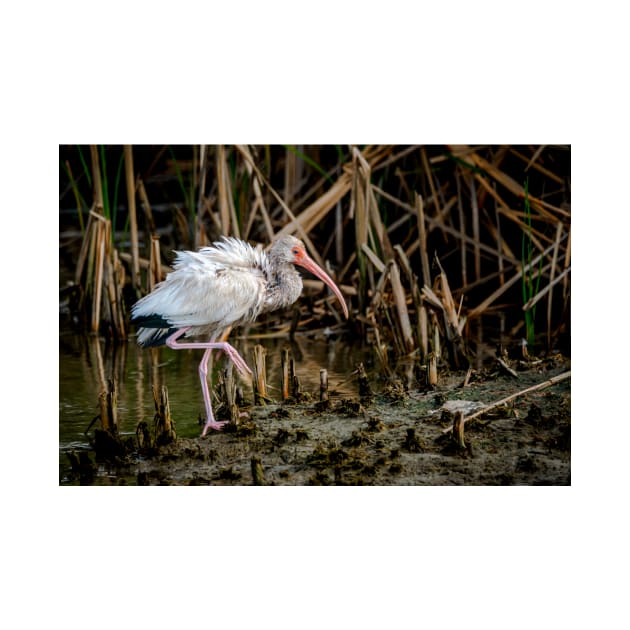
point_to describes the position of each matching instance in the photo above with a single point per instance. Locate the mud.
(395, 437)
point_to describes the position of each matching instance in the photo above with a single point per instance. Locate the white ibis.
(227, 284)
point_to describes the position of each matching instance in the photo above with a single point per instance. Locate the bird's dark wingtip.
(149, 334)
(149, 321)
(158, 339)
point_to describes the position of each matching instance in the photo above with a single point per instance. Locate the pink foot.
(213, 424)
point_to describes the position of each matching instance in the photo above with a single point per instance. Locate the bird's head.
(289, 249)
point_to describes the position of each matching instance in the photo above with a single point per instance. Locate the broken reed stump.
(412, 443)
(228, 394)
(323, 385)
(432, 370)
(324, 402)
(423, 326)
(435, 344)
(81, 465)
(107, 443)
(285, 381)
(162, 421)
(258, 472)
(108, 402)
(143, 437)
(296, 387)
(455, 444)
(469, 372)
(458, 429)
(290, 383)
(260, 375)
(365, 391)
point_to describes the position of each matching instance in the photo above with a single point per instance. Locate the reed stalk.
(155, 267)
(146, 206)
(552, 280)
(475, 228)
(100, 231)
(401, 308)
(529, 283)
(188, 193)
(358, 206)
(260, 375)
(285, 380)
(133, 222)
(200, 235)
(97, 191)
(422, 240)
(229, 225)
(382, 213)
(259, 206)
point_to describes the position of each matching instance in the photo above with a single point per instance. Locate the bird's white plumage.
(209, 290)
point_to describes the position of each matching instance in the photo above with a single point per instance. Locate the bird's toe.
(216, 426)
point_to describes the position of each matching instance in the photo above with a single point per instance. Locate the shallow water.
(87, 362)
(392, 440)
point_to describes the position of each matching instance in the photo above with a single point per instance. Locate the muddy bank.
(393, 438)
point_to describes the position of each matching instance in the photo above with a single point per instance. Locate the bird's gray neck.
(284, 286)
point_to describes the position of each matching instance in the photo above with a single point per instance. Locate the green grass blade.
(106, 205)
(86, 169)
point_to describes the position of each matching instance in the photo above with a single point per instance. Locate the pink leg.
(211, 423)
(236, 358)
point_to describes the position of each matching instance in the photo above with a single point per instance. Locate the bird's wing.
(208, 288)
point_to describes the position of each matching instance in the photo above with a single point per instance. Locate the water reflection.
(87, 362)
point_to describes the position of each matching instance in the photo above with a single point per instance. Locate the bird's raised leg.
(208, 346)
(232, 353)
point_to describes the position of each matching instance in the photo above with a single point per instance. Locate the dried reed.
(424, 237)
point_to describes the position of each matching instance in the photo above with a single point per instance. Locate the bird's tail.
(153, 337)
(153, 330)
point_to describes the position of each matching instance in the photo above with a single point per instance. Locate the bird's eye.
(295, 251)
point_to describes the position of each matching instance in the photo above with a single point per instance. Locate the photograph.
(298, 315)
